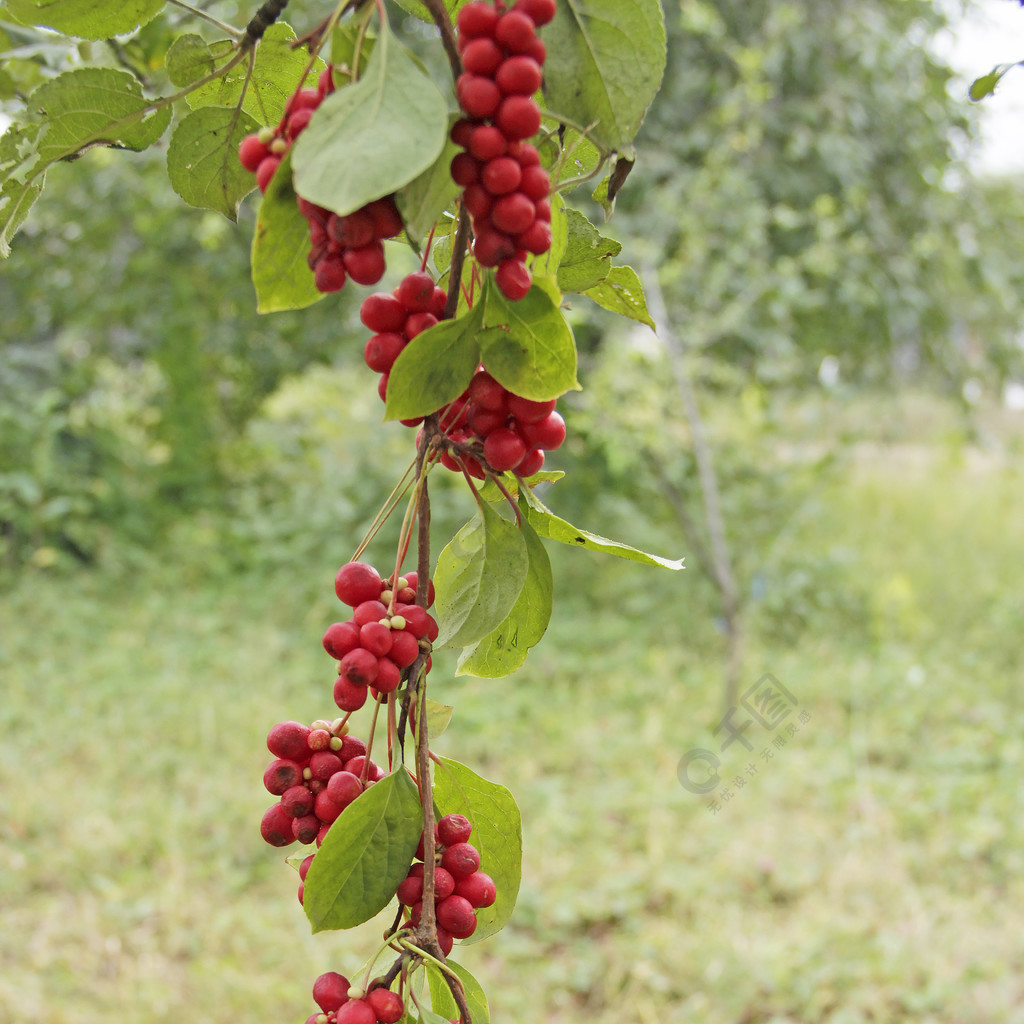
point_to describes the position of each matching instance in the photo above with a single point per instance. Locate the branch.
(444, 25)
(455, 268)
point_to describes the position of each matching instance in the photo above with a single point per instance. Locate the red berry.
(491, 247)
(340, 638)
(329, 274)
(404, 649)
(387, 221)
(358, 667)
(268, 165)
(465, 169)
(417, 621)
(478, 96)
(462, 131)
(323, 764)
(282, 774)
(444, 884)
(527, 155)
(518, 117)
(543, 210)
(537, 50)
(368, 611)
(389, 676)
(477, 201)
(252, 152)
(357, 582)
(356, 1011)
(298, 122)
(325, 83)
(304, 99)
(504, 449)
(501, 175)
(381, 351)
(365, 265)
(330, 991)
(513, 213)
(349, 696)
(527, 411)
(481, 57)
(548, 434)
(487, 142)
(487, 393)
(353, 231)
(325, 808)
(515, 31)
(536, 238)
(519, 76)
(276, 826)
(375, 637)
(455, 914)
(383, 313)
(289, 740)
(461, 859)
(477, 19)
(297, 801)
(532, 463)
(418, 323)
(454, 828)
(438, 302)
(540, 12)
(410, 891)
(416, 292)
(304, 867)
(484, 421)
(387, 1005)
(478, 889)
(445, 940)
(306, 828)
(343, 787)
(513, 279)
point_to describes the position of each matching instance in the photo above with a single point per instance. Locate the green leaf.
(416, 8)
(547, 524)
(532, 352)
(605, 60)
(349, 42)
(365, 855)
(280, 244)
(478, 578)
(79, 109)
(429, 1017)
(371, 138)
(497, 834)
(441, 997)
(582, 158)
(191, 57)
(276, 74)
(87, 19)
(501, 652)
(438, 717)
(434, 368)
(622, 292)
(588, 255)
(202, 159)
(986, 84)
(426, 198)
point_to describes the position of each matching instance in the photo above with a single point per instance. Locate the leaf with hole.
(622, 292)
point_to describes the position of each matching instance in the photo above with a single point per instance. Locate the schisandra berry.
(387, 1005)
(454, 828)
(455, 914)
(461, 859)
(330, 991)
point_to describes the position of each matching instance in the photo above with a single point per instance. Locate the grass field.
(871, 871)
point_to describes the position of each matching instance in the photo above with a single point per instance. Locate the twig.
(455, 267)
(444, 25)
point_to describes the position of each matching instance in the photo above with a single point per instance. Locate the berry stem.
(496, 477)
(369, 742)
(388, 507)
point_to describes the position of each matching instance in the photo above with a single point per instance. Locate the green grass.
(870, 872)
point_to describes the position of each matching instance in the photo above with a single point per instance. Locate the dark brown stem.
(455, 269)
(261, 21)
(447, 30)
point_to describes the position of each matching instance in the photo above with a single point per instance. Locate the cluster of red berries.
(340, 247)
(459, 885)
(505, 187)
(397, 317)
(317, 771)
(383, 637)
(515, 431)
(340, 1003)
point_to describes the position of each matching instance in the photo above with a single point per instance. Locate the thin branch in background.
(721, 561)
(200, 13)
